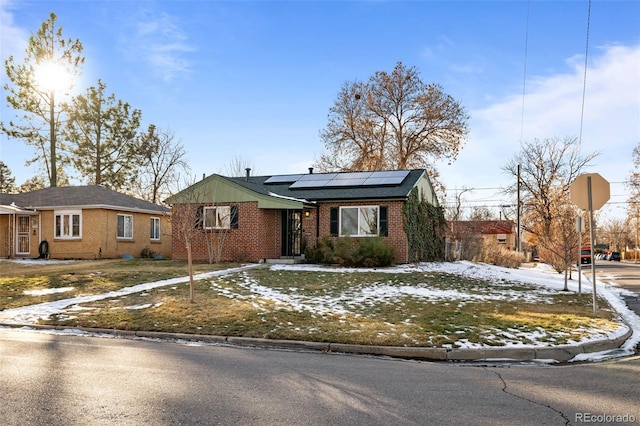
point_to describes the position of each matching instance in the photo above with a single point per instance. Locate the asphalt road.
(69, 380)
(626, 274)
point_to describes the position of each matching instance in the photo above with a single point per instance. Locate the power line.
(524, 76)
(584, 81)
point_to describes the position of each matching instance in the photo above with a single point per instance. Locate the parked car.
(615, 255)
(585, 255)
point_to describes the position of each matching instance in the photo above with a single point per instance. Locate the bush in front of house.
(372, 252)
(495, 254)
(147, 253)
(367, 252)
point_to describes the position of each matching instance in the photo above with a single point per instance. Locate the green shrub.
(372, 252)
(147, 253)
(367, 252)
(321, 253)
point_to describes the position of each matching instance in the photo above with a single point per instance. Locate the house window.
(155, 228)
(502, 238)
(359, 221)
(68, 224)
(125, 226)
(218, 217)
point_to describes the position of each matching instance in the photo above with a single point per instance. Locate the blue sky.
(255, 80)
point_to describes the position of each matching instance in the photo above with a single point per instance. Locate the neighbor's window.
(502, 238)
(359, 221)
(218, 217)
(155, 228)
(125, 226)
(68, 224)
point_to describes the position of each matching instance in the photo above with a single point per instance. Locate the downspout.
(39, 228)
(14, 236)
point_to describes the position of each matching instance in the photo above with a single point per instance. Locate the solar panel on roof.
(346, 182)
(309, 184)
(394, 177)
(283, 179)
(318, 176)
(352, 175)
(347, 179)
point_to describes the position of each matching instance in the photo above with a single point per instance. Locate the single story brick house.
(262, 218)
(470, 237)
(492, 231)
(81, 222)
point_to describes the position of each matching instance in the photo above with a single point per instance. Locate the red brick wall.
(396, 235)
(257, 237)
(259, 232)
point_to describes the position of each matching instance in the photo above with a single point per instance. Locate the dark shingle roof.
(80, 196)
(396, 191)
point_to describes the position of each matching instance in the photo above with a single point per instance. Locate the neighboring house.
(260, 218)
(81, 222)
(473, 235)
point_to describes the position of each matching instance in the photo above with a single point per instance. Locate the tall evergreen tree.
(7, 181)
(101, 133)
(37, 84)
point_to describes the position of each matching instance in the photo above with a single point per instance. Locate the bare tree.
(238, 167)
(163, 160)
(185, 224)
(394, 121)
(616, 233)
(455, 212)
(548, 168)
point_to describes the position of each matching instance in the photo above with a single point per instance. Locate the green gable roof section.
(219, 189)
(305, 190)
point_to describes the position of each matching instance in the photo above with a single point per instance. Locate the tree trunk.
(187, 242)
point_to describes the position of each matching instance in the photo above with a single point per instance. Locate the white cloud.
(552, 108)
(159, 40)
(14, 38)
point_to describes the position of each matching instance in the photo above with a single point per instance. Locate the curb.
(560, 353)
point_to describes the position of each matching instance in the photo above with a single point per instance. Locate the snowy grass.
(433, 305)
(28, 282)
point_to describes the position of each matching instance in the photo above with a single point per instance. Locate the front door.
(23, 246)
(291, 240)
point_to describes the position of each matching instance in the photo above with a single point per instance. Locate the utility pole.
(519, 234)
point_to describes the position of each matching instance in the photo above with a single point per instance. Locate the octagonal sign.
(579, 191)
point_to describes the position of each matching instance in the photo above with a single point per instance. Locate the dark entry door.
(291, 233)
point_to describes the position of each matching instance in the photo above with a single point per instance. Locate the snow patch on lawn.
(45, 291)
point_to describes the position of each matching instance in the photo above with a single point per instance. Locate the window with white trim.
(362, 221)
(155, 229)
(68, 224)
(218, 217)
(125, 226)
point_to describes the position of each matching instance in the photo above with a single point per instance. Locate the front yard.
(424, 305)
